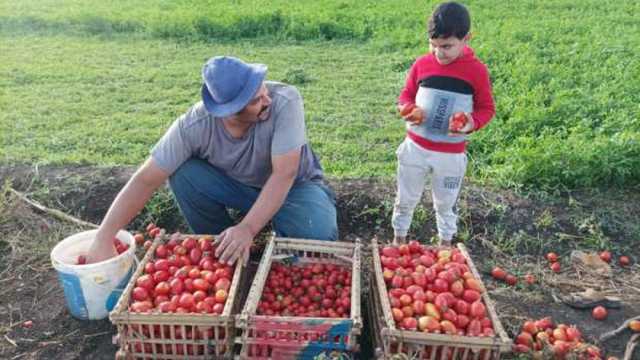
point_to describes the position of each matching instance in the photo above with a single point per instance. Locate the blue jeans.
(204, 193)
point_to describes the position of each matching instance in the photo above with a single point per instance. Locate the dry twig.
(10, 341)
(608, 335)
(631, 345)
(53, 212)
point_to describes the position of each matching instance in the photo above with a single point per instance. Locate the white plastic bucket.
(92, 290)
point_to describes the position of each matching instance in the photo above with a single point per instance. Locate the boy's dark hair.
(449, 19)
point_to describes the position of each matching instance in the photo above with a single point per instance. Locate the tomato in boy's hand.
(407, 109)
(458, 121)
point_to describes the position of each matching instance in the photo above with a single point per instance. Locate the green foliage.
(99, 82)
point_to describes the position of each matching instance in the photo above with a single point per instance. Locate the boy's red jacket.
(441, 90)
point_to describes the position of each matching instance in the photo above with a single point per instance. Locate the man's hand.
(101, 249)
(130, 200)
(461, 124)
(234, 243)
(412, 113)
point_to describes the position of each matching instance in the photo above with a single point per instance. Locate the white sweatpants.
(446, 171)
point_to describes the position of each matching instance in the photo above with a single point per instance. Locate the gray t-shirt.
(198, 134)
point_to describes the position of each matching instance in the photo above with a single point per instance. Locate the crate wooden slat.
(326, 330)
(420, 345)
(143, 335)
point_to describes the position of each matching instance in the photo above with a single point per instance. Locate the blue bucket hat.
(229, 84)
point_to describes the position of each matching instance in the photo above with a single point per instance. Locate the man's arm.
(235, 242)
(127, 204)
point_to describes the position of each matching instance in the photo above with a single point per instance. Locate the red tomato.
(474, 328)
(201, 284)
(605, 256)
(448, 327)
(599, 313)
(221, 296)
(552, 257)
(141, 306)
(167, 307)
(140, 294)
(477, 310)
(189, 243)
(177, 286)
(573, 334)
(390, 251)
(222, 284)
(498, 273)
(205, 244)
(624, 260)
(462, 307)
(555, 267)
(161, 275)
(458, 121)
(147, 245)
(180, 250)
(139, 239)
(524, 338)
(511, 279)
(188, 285)
(199, 295)
(410, 323)
(203, 307)
(161, 252)
(194, 273)
(218, 308)
(186, 301)
(530, 327)
(530, 279)
(154, 232)
(544, 323)
(519, 348)
(163, 288)
(150, 268)
(146, 281)
(470, 296)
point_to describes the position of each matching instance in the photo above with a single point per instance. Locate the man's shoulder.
(282, 90)
(195, 116)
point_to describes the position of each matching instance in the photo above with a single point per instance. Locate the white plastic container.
(92, 290)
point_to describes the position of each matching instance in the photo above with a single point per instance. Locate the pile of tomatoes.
(542, 336)
(433, 290)
(309, 290)
(184, 277)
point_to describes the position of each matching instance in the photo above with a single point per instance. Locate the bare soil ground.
(499, 227)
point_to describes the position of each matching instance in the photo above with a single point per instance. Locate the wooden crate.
(160, 335)
(331, 336)
(394, 343)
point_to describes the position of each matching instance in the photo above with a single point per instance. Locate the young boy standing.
(447, 96)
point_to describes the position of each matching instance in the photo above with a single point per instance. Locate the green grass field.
(98, 82)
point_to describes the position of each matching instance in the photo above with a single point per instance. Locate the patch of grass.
(93, 82)
(545, 220)
(162, 210)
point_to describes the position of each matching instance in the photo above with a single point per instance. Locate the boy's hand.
(411, 113)
(461, 123)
